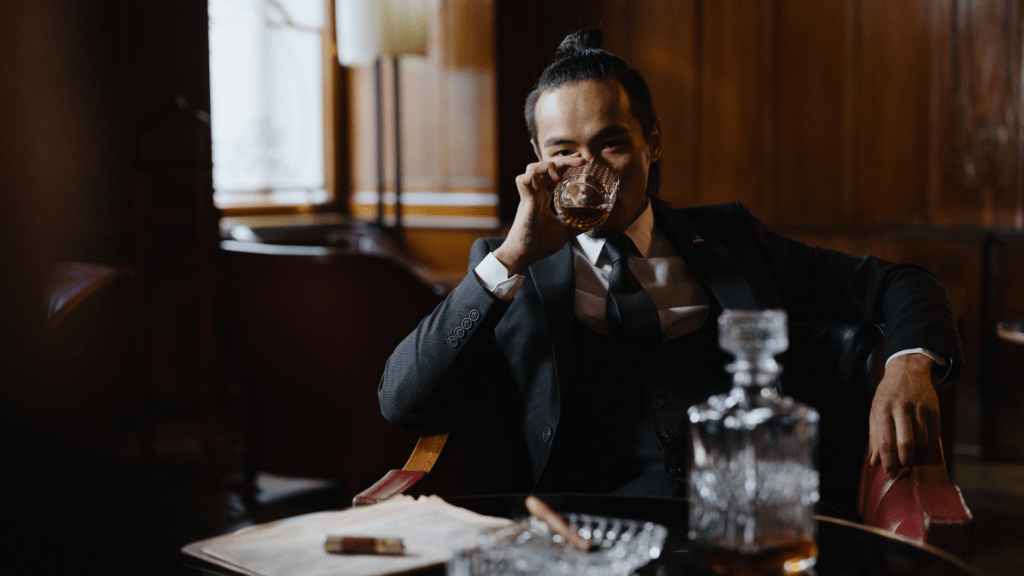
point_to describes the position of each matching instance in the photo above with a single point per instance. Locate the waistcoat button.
(667, 432)
(675, 470)
(657, 404)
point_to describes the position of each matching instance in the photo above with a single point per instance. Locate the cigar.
(360, 545)
(541, 511)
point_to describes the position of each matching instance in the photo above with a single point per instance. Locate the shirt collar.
(641, 232)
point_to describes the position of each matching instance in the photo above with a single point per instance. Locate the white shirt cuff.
(493, 276)
(938, 374)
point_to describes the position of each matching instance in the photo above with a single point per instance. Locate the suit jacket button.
(474, 315)
(460, 331)
(675, 470)
(657, 404)
(546, 435)
(667, 432)
(453, 341)
(467, 323)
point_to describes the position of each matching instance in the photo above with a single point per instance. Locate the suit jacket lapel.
(555, 280)
(714, 266)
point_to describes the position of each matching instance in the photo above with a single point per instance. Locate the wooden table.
(845, 548)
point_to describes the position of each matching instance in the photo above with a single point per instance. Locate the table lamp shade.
(368, 29)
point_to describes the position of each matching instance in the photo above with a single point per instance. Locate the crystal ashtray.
(528, 547)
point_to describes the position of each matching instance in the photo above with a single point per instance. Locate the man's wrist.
(915, 362)
(512, 260)
(941, 366)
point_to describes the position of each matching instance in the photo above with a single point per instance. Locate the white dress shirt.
(681, 302)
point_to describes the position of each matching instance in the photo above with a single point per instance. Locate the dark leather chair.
(309, 331)
(834, 367)
(87, 354)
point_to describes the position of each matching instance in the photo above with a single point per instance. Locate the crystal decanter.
(753, 478)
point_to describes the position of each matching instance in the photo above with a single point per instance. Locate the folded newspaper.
(430, 528)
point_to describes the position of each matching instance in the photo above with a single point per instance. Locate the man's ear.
(654, 142)
(536, 149)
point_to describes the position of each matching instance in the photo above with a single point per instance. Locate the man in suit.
(587, 349)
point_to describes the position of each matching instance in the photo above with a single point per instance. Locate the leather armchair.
(309, 331)
(87, 356)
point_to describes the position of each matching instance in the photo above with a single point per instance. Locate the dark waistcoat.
(623, 427)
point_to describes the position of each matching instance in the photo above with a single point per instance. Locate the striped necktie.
(630, 311)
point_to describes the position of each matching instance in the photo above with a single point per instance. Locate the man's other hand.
(904, 413)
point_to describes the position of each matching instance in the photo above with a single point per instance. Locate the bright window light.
(267, 98)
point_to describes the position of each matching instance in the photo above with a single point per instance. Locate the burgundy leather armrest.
(394, 482)
(920, 505)
(71, 283)
(421, 462)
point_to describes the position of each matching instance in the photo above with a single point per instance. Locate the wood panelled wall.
(1003, 396)
(891, 127)
(115, 159)
(448, 133)
(852, 113)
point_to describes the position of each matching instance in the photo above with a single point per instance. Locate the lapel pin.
(697, 239)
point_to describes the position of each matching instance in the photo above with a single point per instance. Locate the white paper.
(430, 528)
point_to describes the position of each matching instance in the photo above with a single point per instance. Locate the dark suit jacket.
(511, 359)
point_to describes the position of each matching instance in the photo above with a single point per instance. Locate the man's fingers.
(933, 424)
(924, 428)
(889, 459)
(574, 160)
(882, 439)
(524, 182)
(557, 166)
(896, 440)
(906, 447)
(539, 175)
(873, 441)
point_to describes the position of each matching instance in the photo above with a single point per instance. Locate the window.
(268, 94)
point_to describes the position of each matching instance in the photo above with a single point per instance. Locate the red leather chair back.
(309, 337)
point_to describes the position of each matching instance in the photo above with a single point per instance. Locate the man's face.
(593, 119)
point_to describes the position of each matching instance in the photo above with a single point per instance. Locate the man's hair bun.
(587, 39)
